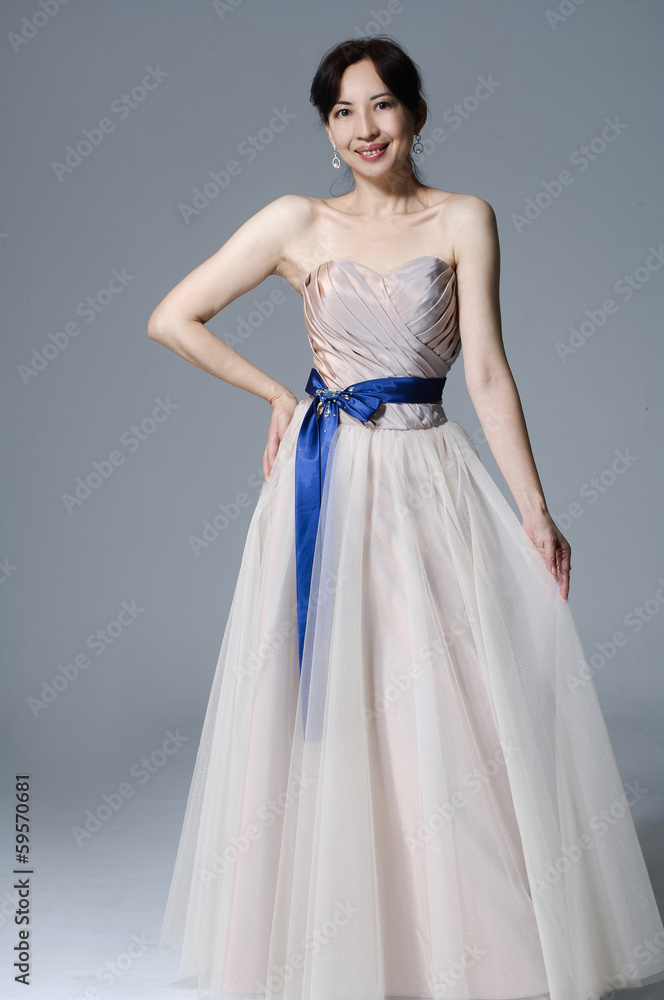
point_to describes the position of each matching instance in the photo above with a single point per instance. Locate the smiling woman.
(334, 87)
(398, 783)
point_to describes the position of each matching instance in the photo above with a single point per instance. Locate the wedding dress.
(422, 801)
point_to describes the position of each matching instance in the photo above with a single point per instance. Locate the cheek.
(342, 132)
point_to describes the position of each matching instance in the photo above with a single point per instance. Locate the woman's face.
(368, 115)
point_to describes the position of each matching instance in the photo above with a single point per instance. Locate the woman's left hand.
(552, 546)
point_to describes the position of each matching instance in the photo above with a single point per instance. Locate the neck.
(386, 197)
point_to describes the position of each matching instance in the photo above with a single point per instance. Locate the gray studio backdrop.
(130, 476)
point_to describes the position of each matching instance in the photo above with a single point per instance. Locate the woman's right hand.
(283, 407)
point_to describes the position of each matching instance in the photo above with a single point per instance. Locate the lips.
(372, 152)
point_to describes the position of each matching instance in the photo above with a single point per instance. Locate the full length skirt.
(432, 808)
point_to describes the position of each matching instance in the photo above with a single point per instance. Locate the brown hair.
(393, 65)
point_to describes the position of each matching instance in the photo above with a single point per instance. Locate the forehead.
(360, 78)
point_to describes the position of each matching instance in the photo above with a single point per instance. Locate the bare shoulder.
(298, 207)
(469, 211)
(300, 220)
(289, 217)
(273, 230)
(472, 221)
(285, 216)
(302, 212)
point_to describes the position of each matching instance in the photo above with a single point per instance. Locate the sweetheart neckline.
(379, 274)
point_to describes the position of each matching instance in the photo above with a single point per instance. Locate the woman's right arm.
(254, 252)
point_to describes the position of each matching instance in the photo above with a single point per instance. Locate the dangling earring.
(336, 162)
(417, 145)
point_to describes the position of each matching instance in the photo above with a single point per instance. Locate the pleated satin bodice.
(365, 325)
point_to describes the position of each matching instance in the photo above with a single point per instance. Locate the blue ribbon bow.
(361, 400)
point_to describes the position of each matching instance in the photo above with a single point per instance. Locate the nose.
(367, 130)
(368, 134)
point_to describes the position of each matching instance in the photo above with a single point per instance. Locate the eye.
(387, 103)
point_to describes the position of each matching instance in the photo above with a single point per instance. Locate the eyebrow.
(385, 93)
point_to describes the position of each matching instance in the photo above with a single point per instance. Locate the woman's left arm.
(490, 382)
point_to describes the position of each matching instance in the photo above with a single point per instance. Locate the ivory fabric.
(452, 824)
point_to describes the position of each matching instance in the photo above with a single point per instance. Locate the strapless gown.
(456, 826)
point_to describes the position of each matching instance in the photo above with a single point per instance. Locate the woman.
(404, 787)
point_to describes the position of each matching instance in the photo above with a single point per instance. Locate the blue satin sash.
(361, 400)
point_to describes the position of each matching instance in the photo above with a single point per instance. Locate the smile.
(372, 154)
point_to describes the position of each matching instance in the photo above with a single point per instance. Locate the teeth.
(371, 152)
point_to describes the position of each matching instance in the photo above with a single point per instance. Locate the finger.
(550, 555)
(564, 587)
(565, 567)
(565, 558)
(273, 446)
(563, 576)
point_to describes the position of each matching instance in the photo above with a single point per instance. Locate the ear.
(421, 117)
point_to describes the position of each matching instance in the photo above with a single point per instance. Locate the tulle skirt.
(431, 808)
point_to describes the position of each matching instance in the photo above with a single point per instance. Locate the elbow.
(486, 382)
(477, 384)
(156, 328)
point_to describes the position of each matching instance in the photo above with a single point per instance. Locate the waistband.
(315, 436)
